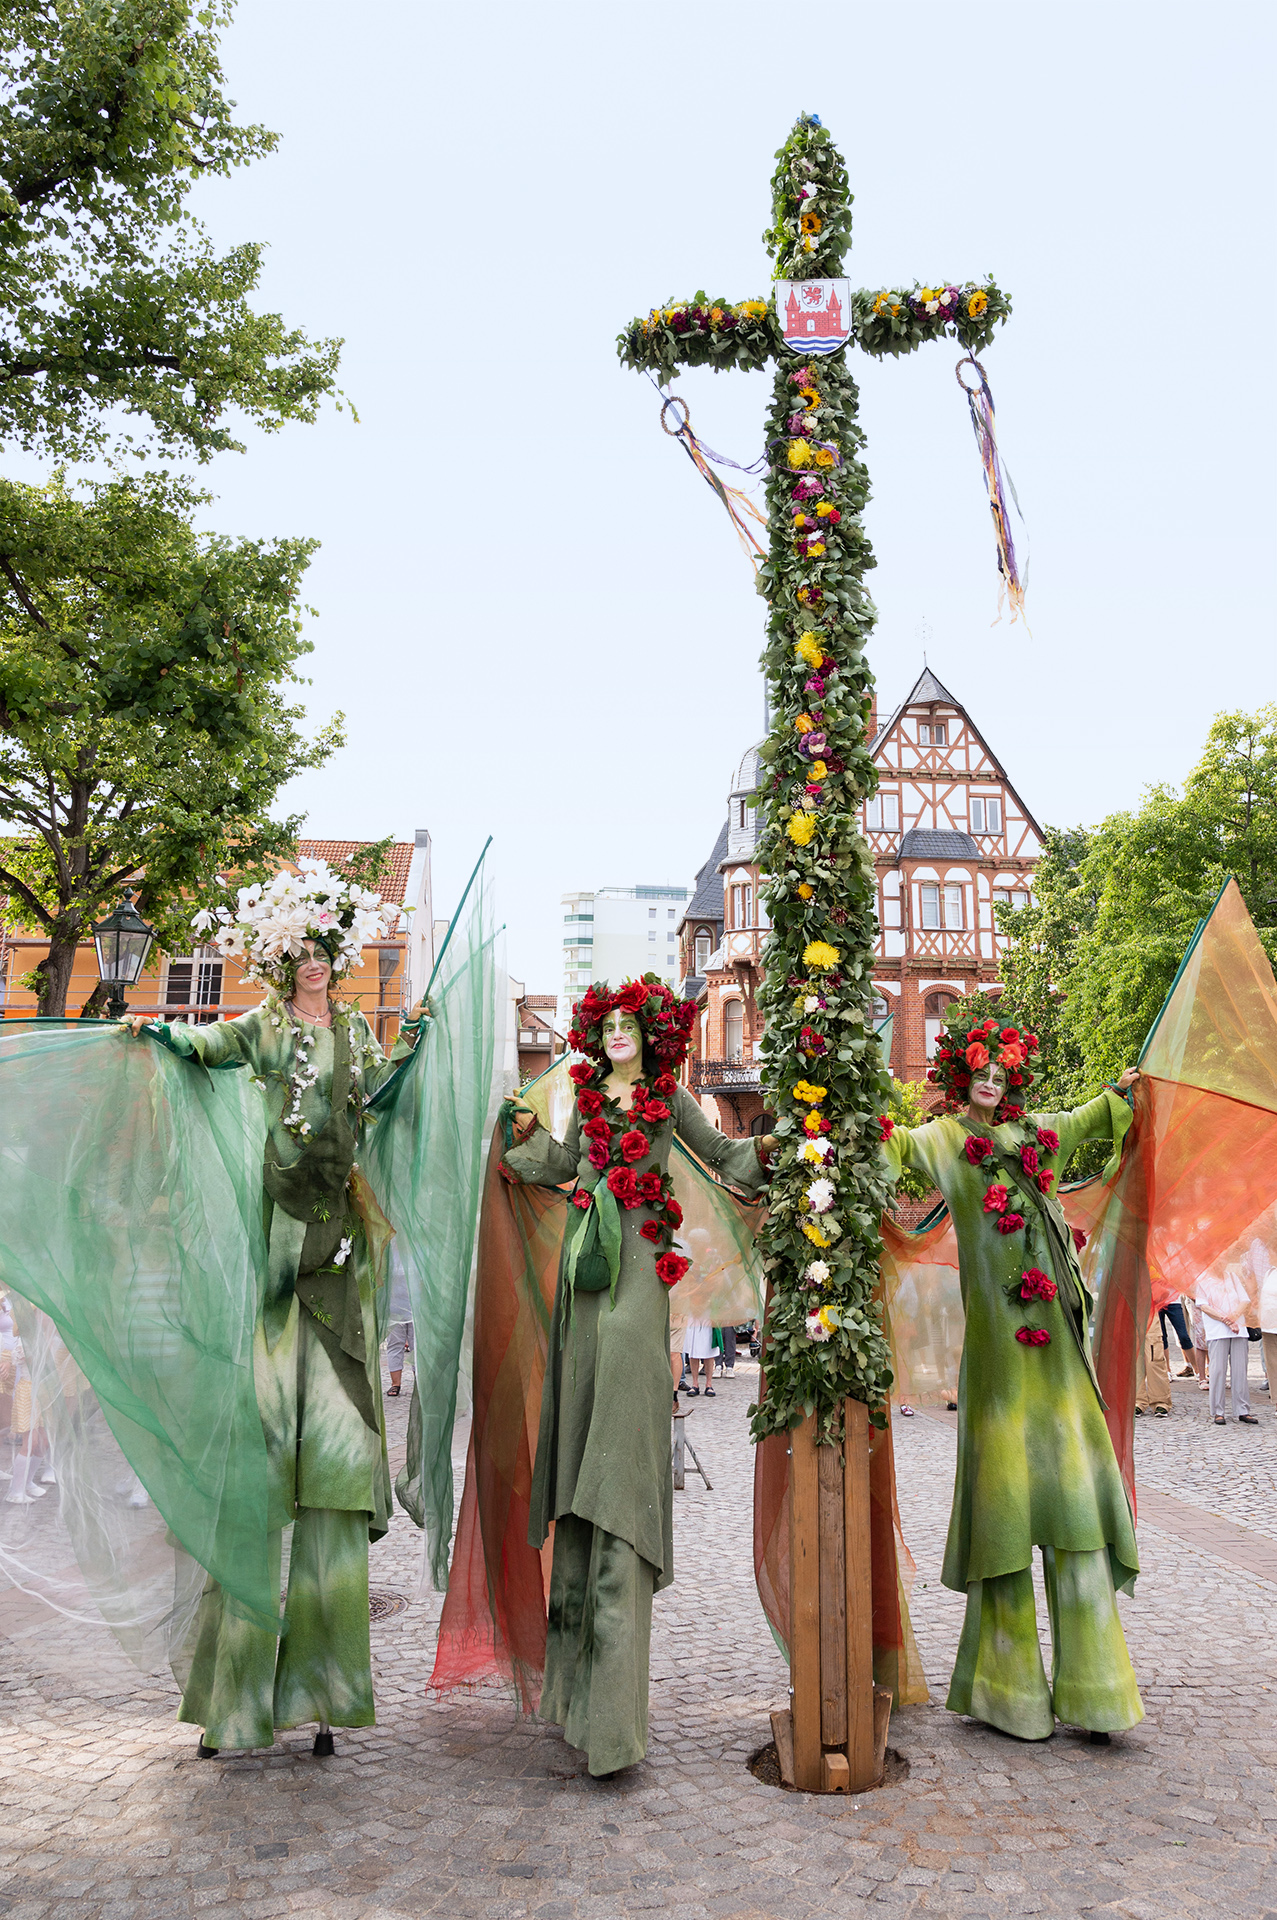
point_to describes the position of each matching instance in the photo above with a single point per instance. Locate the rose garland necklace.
(620, 1139)
(1033, 1284)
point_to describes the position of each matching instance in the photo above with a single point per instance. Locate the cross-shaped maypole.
(827, 1359)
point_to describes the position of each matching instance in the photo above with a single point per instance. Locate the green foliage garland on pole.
(822, 1071)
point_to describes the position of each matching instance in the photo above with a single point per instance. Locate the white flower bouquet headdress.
(270, 923)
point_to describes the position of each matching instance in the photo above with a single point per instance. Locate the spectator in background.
(1198, 1326)
(1229, 1349)
(698, 1351)
(727, 1358)
(399, 1336)
(1154, 1380)
(1266, 1274)
(1195, 1361)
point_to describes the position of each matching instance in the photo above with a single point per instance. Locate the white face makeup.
(314, 969)
(622, 1037)
(988, 1086)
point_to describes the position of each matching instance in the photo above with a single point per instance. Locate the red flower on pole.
(886, 1126)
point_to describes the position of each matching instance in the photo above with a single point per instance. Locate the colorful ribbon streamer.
(736, 502)
(999, 484)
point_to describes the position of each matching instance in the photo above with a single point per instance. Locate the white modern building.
(616, 933)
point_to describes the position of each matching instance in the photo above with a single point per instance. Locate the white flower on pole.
(820, 1196)
(815, 1273)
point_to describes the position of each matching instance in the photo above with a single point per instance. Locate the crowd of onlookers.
(1216, 1352)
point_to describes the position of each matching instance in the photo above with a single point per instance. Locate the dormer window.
(703, 951)
(934, 733)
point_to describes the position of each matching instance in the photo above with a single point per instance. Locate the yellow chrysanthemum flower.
(815, 550)
(800, 827)
(812, 1122)
(814, 1234)
(805, 890)
(820, 956)
(799, 453)
(810, 1095)
(977, 304)
(808, 649)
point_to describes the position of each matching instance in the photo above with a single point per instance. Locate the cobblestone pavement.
(460, 1808)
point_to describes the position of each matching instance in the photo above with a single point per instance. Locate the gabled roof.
(926, 691)
(394, 882)
(706, 902)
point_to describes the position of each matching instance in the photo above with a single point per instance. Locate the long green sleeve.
(736, 1161)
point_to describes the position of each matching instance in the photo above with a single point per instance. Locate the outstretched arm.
(743, 1163)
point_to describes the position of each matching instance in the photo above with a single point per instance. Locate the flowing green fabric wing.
(131, 1219)
(424, 1157)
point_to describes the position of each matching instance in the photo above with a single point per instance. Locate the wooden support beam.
(837, 1778)
(862, 1758)
(833, 1601)
(804, 1604)
(783, 1735)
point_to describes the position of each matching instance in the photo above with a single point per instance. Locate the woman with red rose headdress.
(1036, 1466)
(602, 1476)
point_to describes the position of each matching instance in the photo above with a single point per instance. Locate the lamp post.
(123, 941)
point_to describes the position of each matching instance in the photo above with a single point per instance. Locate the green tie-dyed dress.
(317, 1373)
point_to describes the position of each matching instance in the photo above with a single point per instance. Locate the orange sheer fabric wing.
(494, 1614)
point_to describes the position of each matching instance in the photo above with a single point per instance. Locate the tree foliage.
(143, 728)
(1088, 965)
(112, 297)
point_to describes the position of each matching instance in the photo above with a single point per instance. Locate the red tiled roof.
(335, 852)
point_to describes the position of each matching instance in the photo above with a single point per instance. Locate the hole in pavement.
(765, 1766)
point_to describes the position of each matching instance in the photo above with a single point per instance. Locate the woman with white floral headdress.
(316, 1358)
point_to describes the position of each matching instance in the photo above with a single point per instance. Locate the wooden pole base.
(834, 1737)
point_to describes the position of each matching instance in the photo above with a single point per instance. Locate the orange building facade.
(951, 839)
(199, 986)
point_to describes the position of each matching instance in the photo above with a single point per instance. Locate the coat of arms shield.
(814, 315)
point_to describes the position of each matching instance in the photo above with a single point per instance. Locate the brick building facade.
(950, 838)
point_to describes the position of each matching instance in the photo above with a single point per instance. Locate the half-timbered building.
(951, 839)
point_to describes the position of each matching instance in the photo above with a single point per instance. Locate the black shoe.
(1099, 1739)
(1248, 1419)
(713, 1396)
(951, 1406)
(205, 1753)
(323, 1747)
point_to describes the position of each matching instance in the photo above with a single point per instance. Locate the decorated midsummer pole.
(828, 1364)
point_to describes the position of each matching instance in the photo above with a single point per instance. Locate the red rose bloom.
(1029, 1159)
(1036, 1285)
(632, 998)
(990, 1026)
(886, 1126)
(581, 1199)
(651, 1230)
(1048, 1140)
(650, 1186)
(1009, 1034)
(599, 1154)
(634, 1146)
(977, 1054)
(932, 1074)
(1010, 1222)
(671, 1267)
(581, 1072)
(656, 1113)
(1013, 1113)
(995, 1200)
(589, 1103)
(597, 1130)
(674, 1213)
(1039, 1337)
(977, 1149)
(1079, 1239)
(624, 1187)
(666, 1085)
(1044, 1181)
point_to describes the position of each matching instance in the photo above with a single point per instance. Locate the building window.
(883, 811)
(933, 1009)
(1015, 897)
(651, 913)
(986, 814)
(953, 908)
(651, 933)
(930, 905)
(669, 913)
(671, 936)
(194, 981)
(734, 1029)
(880, 1008)
(703, 951)
(933, 734)
(743, 906)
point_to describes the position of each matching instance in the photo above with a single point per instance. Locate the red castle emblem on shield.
(814, 314)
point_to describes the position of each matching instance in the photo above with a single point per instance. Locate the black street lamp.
(123, 942)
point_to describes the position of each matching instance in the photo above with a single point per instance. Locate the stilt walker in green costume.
(1036, 1466)
(602, 1477)
(316, 1348)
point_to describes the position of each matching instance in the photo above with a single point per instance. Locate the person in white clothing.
(1228, 1347)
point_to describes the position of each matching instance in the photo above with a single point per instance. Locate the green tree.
(114, 306)
(143, 730)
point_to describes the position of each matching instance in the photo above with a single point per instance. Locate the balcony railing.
(741, 1074)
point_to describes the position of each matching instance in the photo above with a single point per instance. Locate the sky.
(533, 613)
